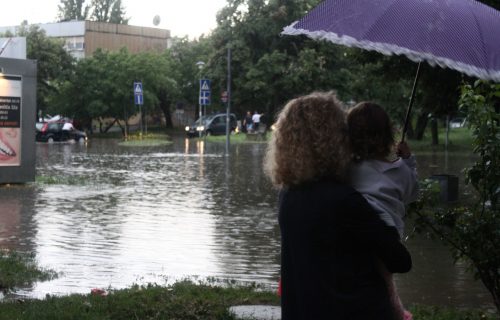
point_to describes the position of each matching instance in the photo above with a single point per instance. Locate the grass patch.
(459, 139)
(145, 143)
(146, 140)
(182, 300)
(439, 313)
(237, 138)
(18, 269)
(67, 180)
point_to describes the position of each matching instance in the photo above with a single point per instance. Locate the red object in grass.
(279, 288)
(98, 292)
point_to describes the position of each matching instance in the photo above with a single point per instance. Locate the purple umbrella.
(463, 35)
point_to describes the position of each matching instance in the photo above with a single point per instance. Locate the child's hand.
(403, 150)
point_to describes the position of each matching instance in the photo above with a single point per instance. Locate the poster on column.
(10, 120)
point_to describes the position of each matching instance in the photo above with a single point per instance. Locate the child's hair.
(370, 131)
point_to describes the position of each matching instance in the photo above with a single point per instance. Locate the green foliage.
(18, 269)
(109, 11)
(54, 64)
(73, 10)
(101, 86)
(479, 102)
(473, 230)
(69, 180)
(260, 57)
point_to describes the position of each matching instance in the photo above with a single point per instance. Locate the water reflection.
(16, 217)
(119, 216)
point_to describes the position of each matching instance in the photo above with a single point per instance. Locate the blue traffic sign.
(204, 98)
(204, 85)
(139, 99)
(138, 93)
(204, 92)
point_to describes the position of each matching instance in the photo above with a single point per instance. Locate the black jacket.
(331, 240)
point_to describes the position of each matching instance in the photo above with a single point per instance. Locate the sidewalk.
(256, 312)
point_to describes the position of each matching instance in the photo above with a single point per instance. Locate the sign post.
(228, 99)
(204, 98)
(139, 98)
(17, 120)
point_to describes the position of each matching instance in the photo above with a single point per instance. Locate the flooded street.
(116, 216)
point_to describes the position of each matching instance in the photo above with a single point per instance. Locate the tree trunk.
(100, 125)
(410, 133)
(109, 126)
(122, 128)
(421, 125)
(434, 131)
(165, 108)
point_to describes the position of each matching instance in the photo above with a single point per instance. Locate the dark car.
(213, 124)
(52, 131)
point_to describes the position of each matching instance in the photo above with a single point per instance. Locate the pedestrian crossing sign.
(204, 92)
(204, 85)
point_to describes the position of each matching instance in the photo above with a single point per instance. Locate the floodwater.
(118, 216)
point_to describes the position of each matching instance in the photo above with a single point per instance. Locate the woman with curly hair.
(331, 239)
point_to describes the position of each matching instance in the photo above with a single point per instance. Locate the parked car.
(213, 124)
(52, 131)
(457, 123)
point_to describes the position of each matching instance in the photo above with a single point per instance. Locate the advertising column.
(10, 120)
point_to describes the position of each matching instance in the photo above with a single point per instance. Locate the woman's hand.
(403, 150)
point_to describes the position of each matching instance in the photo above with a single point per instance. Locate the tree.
(184, 55)
(54, 64)
(118, 13)
(108, 11)
(294, 65)
(472, 231)
(73, 10)
(101, 87)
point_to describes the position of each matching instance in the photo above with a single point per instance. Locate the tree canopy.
(73, 10)
(111, 11)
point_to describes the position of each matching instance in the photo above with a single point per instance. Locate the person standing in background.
(256, 120)
(247, 122)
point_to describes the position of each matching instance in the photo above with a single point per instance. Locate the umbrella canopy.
(463, 35)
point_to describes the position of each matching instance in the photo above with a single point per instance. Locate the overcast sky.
(181, 17)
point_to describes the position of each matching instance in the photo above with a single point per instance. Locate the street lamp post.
(200, 65)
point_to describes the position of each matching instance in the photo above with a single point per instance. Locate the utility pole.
(228, 105)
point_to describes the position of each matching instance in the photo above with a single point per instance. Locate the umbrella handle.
(410, 104)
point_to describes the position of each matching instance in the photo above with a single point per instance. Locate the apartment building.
(83, 38)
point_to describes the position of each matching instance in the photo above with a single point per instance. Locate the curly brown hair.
(310, 141)
(370, 131)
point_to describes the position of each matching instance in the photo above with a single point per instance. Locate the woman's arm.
(368, 229)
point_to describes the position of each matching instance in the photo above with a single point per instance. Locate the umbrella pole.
(410, 104)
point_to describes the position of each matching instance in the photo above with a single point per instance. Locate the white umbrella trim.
(390, 49)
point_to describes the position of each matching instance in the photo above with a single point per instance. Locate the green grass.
(146, 140)
(459, 139)
(421, 312)
(182, 300)
(238, 138)
(18, 269)
(67, 180)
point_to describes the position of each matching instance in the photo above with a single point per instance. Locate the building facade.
(83, 38)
